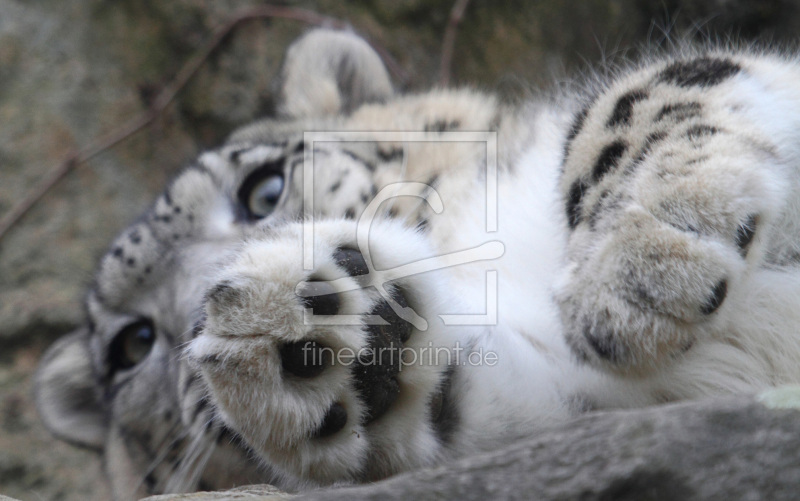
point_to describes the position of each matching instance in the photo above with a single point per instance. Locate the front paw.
(306, 365)
(640, 296)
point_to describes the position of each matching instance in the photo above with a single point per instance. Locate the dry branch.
(449, 40)
(168, 94)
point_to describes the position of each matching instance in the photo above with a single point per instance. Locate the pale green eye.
(261, 191)
(131, 345)
(265, 195)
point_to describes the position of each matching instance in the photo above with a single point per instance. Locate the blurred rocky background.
(71, 71)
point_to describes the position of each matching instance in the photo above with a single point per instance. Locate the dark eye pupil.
(131, 345)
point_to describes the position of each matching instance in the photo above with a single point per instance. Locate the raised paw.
(656, 258)
(307, 365)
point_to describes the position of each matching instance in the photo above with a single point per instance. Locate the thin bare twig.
(167, 95)
(449, 40)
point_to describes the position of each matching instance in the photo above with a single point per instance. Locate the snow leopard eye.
(131, 345)
(261, 191)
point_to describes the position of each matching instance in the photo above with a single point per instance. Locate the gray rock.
(735, 448)
(248, 493)
(726, 449)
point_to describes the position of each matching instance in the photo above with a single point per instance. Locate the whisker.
(171, 438)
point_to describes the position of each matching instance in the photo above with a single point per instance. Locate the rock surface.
(73, 71)
(726, 449)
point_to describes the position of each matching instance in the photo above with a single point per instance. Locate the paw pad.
(745, 233)
(352, 261)
(335, 419)
(321, 297)
(305, 359)
(716, 299)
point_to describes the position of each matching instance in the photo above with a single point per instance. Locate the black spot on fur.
(653, 138)
(299, 148)
(199, 327)
(745, 234)
(422, 224)
(201, 405)
(234, 157)
(350, 213)
(443, 409)
(131, 262)
(577, 123)
(623, 110)
(650, 141)
(335, 419)
(364, 198)
(608, 159)
(679, 112)
(148, 269)
(213, 359)
(604, 204)
(575, 128)
(701, 71)
(117, 252)
(135, 237)
(391, 155)
(366, 163)
(442, 125)
(222, 293)
(716, 299)
(603, 345)
(177, 210)
(700, 131)
(167, 197)
(576, 192)
(335, 187)
(190, 381)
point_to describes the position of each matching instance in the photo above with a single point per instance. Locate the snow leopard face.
(169, 373)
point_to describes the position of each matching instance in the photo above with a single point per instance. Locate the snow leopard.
(371, 282)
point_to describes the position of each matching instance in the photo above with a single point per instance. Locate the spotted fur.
(646, 245)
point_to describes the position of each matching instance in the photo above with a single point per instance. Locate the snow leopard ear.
(67, 395)
(326, 72)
